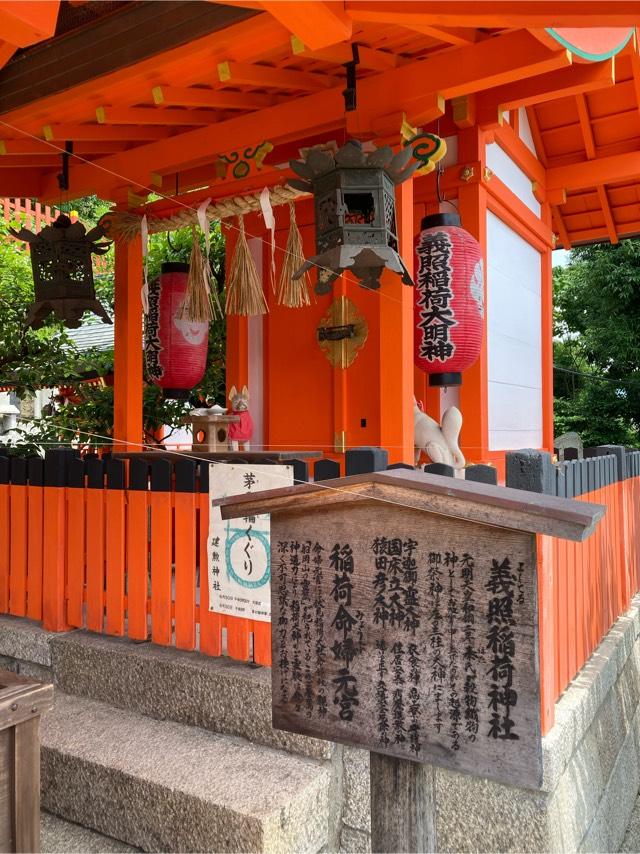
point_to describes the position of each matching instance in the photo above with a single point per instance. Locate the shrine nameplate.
(405, 619)
(410, 634)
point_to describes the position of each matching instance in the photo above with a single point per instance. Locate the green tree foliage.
(597, 344)
(32, 359)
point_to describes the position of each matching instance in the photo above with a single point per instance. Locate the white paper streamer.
(270, 222)
(204, 224)
(144, 235)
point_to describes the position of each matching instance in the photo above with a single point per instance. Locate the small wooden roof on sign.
(497, 506)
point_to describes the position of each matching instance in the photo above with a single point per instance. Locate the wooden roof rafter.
(483, 64)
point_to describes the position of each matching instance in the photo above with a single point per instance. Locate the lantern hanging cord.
(282, 194)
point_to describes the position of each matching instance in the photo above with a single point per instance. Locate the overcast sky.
(559, 257)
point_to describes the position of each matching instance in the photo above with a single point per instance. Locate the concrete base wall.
(591, 762)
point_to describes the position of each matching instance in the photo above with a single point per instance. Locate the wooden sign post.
(405, 621)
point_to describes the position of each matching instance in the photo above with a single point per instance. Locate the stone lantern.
(62, 273)
(355, 211)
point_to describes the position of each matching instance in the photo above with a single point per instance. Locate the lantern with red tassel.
(175, 347)
(449, 299)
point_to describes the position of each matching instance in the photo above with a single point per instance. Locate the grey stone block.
(164, 786)
(23, 639)
(477, 815)
(631, 842)
(63, 837)
(356, 790)
(26, 668)
(214, 693)
(354, 841)
(608, 828)
(530, 469)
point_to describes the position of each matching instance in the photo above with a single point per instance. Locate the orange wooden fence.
(81, 546)
(121, 549)
(32, 214)
(585, 587)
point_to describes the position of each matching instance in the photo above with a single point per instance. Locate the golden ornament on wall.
(342, 332)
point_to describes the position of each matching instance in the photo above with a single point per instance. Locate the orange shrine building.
(541, 152)
(159, 107)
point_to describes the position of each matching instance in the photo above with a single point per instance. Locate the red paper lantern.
(175, 348)
(448, 301)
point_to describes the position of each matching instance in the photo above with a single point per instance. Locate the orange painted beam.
(488, 63)
(102, 133)
(317, 23)
(6, 52)
(154, 116)
(28, 21)
(458, 36)
(373, 60)
(545, 87)
(528, 222)
(520, 153)
(189, 96)
(585, 126)
(41, 146)
(590, 173)
(127, 371)
(21, 183)
(30, 161)
(608, 216)
(247, 74)
(506, 13)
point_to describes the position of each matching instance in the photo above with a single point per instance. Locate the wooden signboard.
(405, 616)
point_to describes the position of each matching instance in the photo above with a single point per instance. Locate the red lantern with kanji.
(175, 347)
(448, 301)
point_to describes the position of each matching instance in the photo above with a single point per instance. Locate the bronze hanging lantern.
(62, 272)
(355, 211)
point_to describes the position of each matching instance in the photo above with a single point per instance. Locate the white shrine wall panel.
(512, 176)
(514, 339)
(524, 130)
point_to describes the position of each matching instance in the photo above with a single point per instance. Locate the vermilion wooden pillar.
(472, 207)
(127, 427)
(396, 374)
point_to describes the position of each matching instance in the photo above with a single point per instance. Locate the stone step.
(164, 786)
(218, 694)
(64, 837)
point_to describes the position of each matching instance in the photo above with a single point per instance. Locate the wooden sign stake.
(403, 805)
(405, 621)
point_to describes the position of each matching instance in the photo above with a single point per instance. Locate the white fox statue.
(440, 443)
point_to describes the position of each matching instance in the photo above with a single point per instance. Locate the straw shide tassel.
(201, 302)
(244, 288)
(293, 293)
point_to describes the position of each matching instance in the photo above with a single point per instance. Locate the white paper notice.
(239, 549)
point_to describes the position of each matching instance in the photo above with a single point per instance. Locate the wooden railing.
(585, 587)
(121, 548)
(32, 214)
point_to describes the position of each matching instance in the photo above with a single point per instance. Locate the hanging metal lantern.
(355, 211)
(62, 272)
(449, 299)
(175, 348)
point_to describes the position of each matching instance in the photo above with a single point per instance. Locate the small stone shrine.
(405, 616)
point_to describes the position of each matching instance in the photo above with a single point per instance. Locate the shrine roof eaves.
(496, 506)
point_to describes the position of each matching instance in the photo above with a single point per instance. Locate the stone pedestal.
(210, 432)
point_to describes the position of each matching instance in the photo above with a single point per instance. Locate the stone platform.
(174, 739)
